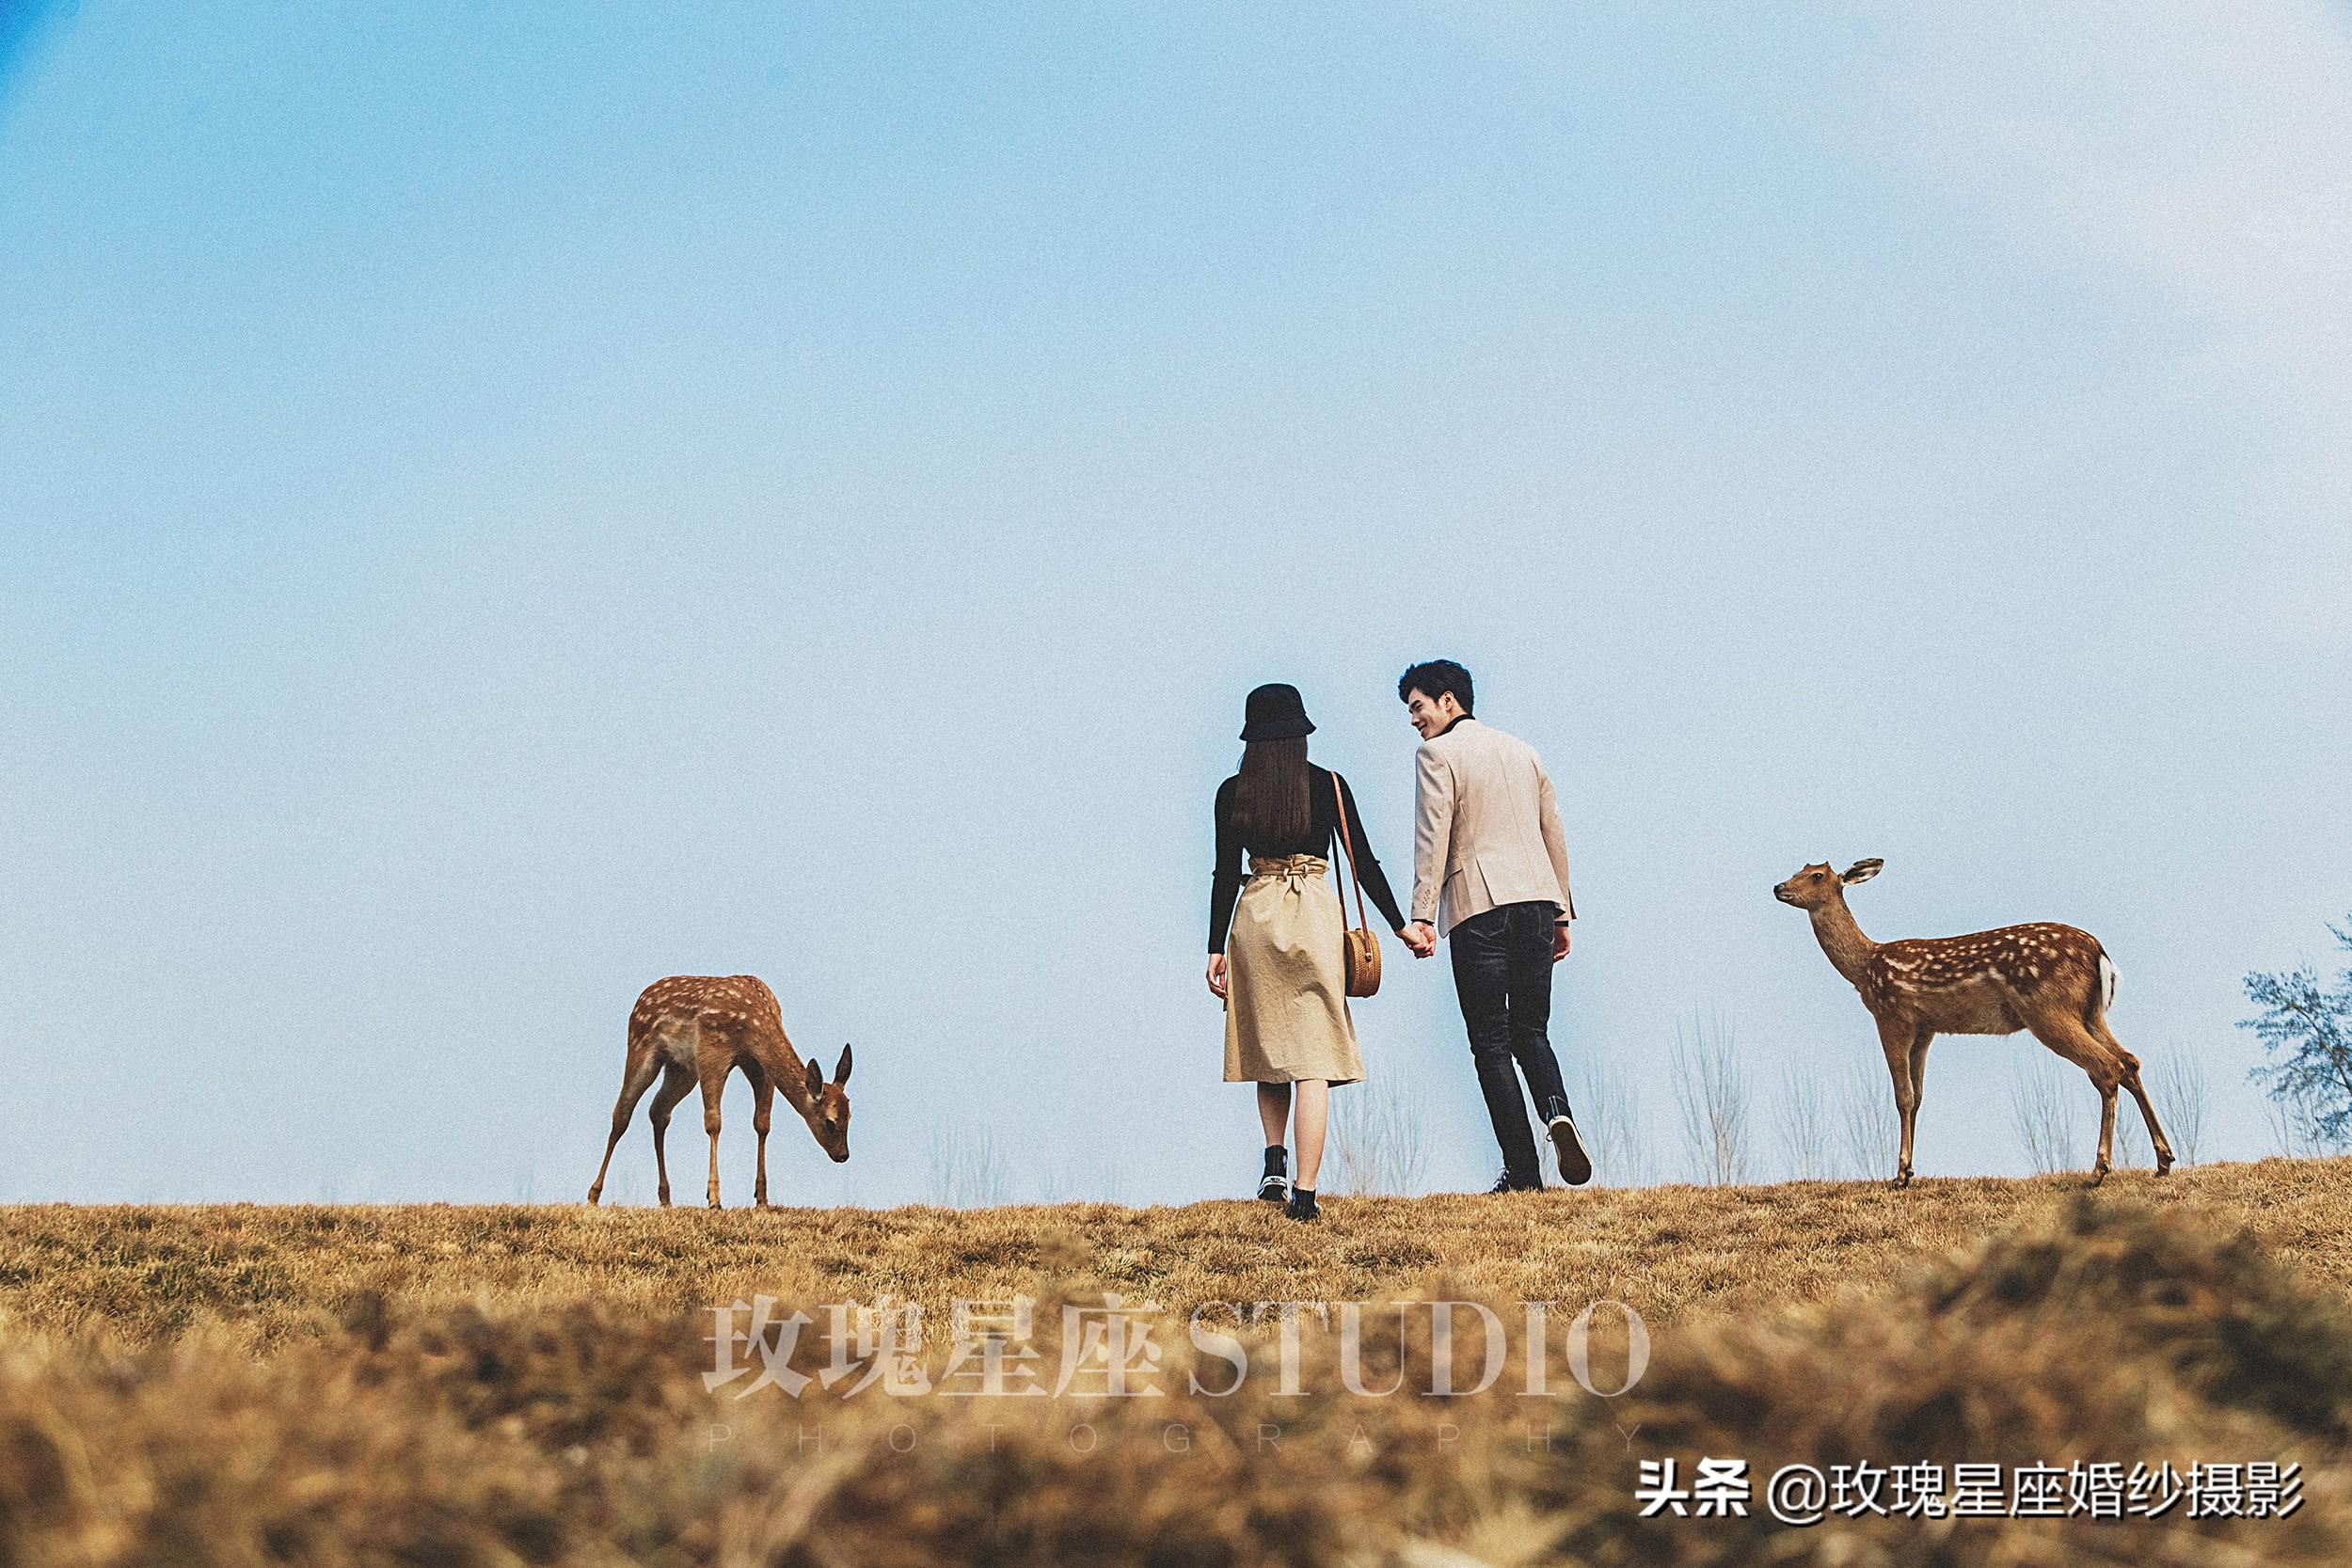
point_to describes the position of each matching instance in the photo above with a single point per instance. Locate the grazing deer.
(2054, 980)
(697, 1029)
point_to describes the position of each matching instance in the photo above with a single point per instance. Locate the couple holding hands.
(1491, 875)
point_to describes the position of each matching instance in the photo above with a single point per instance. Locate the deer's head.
(828, 1110)
(1816, 885)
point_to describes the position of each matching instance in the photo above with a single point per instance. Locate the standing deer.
(2055, 980)
(697, 1029)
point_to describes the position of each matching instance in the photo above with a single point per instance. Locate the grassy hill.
(495, 1385)
(263, 1274)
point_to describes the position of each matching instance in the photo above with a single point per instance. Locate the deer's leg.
(763, 1106)
(2148, 1114)
(635, 1080)
(2139, 1093)
(1896, 1036)
(2066, 1034)
(674, 1083)
(2107, 1134)
(714, 1082)
(1921, 1041)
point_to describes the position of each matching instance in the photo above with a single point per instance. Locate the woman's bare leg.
(1274, 1109)
(1314, 1103)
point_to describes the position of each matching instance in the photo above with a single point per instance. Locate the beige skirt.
(1286, 986)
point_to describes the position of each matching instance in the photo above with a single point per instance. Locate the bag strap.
(1338, 799)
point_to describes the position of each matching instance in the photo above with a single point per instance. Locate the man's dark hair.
(1434, 679)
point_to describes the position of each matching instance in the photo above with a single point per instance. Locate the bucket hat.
(1275, 713)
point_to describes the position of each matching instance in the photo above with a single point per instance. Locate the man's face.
(1429, 714)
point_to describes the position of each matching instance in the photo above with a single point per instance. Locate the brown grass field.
(237, 1384)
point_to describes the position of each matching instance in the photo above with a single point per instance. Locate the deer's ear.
(841, 1068)
(1861, 871)
(815, 1082)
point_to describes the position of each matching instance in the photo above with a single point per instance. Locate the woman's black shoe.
(1302, 1204)
(1275, 1185)
(1504, 1183)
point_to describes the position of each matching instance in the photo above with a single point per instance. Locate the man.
(1491, 866)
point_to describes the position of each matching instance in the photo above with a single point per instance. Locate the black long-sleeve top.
(1323, 819)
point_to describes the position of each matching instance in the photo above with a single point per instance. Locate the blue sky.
(498, 507)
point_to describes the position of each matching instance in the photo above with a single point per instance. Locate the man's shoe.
(1576, 1166)
(1302, 1205)
(1274, 1189)
(1506, 1183)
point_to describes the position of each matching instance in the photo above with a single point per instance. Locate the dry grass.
(503, 1385)
(263, 1275)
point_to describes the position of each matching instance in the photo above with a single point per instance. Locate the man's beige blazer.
(1485, 828)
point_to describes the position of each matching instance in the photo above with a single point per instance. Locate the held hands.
(1421, 936)
(1422, 939)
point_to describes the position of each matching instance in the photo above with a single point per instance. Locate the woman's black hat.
(1275, 713)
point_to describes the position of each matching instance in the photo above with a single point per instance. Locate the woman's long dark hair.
(1270, 795)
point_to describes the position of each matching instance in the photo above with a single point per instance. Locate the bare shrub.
(1803, 1131)
(1110, 1182)
(2176, 1082)
(2038, 1102)
(1376, 1140)
(1608, 1110)
(1711, 1093)
(1869, 1130)
(965, 1170)
(2132, 1146)
(1054, 1184)
(2295, 1127)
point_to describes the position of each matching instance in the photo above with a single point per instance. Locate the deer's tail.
(2104, 996)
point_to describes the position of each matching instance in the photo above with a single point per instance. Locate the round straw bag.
(1363, 947)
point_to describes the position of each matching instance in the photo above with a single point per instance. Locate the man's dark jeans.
(1502, 974)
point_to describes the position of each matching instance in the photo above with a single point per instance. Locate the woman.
(1276, 943)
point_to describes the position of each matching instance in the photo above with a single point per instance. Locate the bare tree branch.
(1803, 1130)
(1376, 1141)
(2295, 1128)
(965, 1170)
(1869, 1129)
(2037, 1099)
(1608, 1111)
(2177, 1084)
(1712, 1092)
